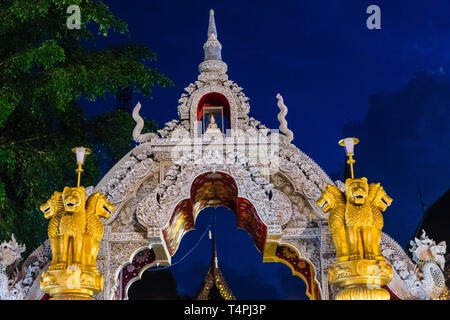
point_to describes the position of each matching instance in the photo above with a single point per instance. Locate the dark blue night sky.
(389, 87)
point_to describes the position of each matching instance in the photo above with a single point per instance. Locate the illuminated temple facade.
(206, 158)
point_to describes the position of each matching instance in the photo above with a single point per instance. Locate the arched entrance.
(238, 260)
(214, 189)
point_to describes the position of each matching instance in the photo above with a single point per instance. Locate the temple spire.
(212, 46)
(214, 286)
(212, 30)
(212, 66)
(214, 260)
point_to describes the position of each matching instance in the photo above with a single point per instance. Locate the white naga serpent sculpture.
(137, 132)
(282, 119)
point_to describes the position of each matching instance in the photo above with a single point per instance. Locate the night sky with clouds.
(388, 87)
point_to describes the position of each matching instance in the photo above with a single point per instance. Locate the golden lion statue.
(75, 229)
(53, 209)
(73, 226)
(97, 206)
(355, 218)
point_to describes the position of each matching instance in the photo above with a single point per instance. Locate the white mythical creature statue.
(430, 260)
(423, 277)
(19, 283)
(282, 119)
(10, 255)
(137, 132)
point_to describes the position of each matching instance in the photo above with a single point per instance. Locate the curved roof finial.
(282, 119)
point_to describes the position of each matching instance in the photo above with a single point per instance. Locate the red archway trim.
(393, 296)
(213, 189)
(45, 296)
(132, 271)
(301, 268)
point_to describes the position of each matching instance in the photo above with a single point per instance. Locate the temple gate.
(214, 155)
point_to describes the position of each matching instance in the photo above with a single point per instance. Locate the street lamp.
(349, 144)
(81, 153)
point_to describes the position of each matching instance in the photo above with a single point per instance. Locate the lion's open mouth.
(107, 210)
(359, 196)
(46, 210)
(385, 202)
(71, 204)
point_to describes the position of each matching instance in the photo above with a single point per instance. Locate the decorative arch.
(132, 271)
(128, 273)
(173, 211)
(300, 267)
(155, 211)
(213, 189)
(157, 201)
(168, 207)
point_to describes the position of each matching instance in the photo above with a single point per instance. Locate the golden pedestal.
(361, 279)
(71, 284)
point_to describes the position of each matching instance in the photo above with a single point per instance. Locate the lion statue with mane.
(355, 218)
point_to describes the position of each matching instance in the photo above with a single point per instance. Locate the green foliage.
(45, 70)
(112, 134)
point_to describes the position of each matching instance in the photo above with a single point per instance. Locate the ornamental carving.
(282, 206)
(155, 210)
(19, 279)
(125, 178)
(420, 278)
(124, 252)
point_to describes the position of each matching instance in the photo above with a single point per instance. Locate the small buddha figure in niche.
(212, 126)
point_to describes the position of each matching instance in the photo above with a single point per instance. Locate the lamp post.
(349, 144)
(81, 153)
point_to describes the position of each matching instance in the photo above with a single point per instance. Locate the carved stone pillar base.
(71, 284)
(361, 279)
